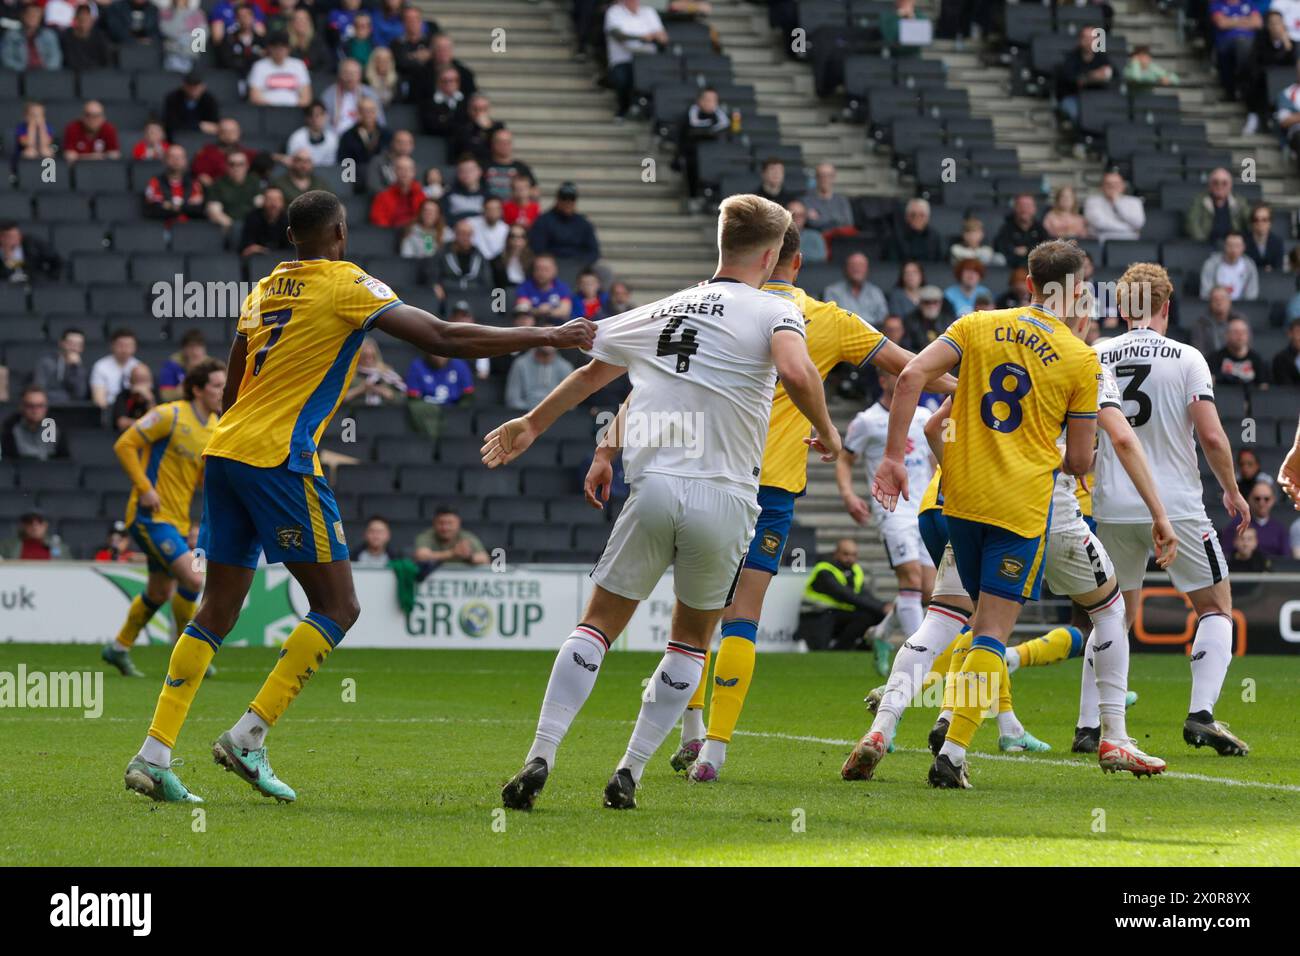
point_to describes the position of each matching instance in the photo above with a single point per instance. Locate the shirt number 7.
(279, 318)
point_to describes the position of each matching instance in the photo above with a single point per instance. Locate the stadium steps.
(564, 129)
(785, 89)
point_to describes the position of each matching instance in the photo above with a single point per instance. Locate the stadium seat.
(142, 237)
(364, 478)
(68, 504)
(204, 237)
(428, 480)
(53, 475)
(590, 538)
(459, 451)
(529, 535)
(572, 512)
(477, 480)
(403, 450)
(548, 482)
(469, 507)
(47, 299)
(516, 509)
(21, 328)
(99, 267)
(42, 85)
(393, 506)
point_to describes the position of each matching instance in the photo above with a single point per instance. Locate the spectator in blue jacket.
(550, 298)
(32, 45)
(563, 232)
(439, 380)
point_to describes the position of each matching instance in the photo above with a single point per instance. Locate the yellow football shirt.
(304, 325)
(1023, 373)
(834, 335)
(933, 497)
(171, 440)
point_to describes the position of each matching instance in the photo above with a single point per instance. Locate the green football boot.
(157, 783)
(252, 767)
(121, 659)
(1025, 743)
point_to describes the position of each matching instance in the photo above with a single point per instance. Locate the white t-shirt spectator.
(1235, 277)
(638, 24)
(324, 153)
(110, 376)
(1121, 219)
(489, 240)
(279, 83)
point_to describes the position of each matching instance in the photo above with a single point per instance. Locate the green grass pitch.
(409, 773)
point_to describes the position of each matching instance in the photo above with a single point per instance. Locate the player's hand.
(1289, 476)
(1237, 510)
(1166, 544)
(890, 482)
(574, 334)
(858, 509)
(149, 500)
(600, 477)
(829, 446)
(507, 442)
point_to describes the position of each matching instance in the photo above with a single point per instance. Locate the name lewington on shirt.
(75, 909)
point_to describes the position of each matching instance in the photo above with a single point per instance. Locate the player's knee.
(343, 611)
(909, 576)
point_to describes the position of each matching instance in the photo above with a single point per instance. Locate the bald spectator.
(30, 432)
(190, 108)
(916, 238)
(1217, 211)
(62, 374)
(210, 162)
(1020, 231)
(1212, 328)
(827, 209)
(447, 108)
(174, 195)
(563, 232)
(84, 47)
(1231, 269)
(343, 98)
(855, 293)
(367, 138)
(279, 79)
(267, 227)
(398, 205)
(299, 178)
(1110, 214)
(90, 136)
(26, 259)
(108, 376)
(232, 197)
(550, 299)
(31, 45)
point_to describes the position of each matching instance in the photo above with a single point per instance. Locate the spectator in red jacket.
(398, 205)
(210, 163)
(91, 136)
(118, 545)
(174, 195)
(521, 207)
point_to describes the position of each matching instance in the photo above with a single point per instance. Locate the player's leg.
(639, 550)
(1127, 547)
(712, 529)
(187, 572)
(157, 590)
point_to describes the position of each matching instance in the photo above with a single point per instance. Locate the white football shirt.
(866, 438)
(1065, 503)
(1159, 379)
(700, 362)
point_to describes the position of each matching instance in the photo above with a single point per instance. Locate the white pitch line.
(1009, 758)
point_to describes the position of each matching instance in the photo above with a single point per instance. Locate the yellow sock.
(1004, 689)
(302, 656)
(976, 691)
(956, 654)
(191, 656)
(136, 618)
(697, 700)
(732, 673)
(1056, 645)
(184, 604)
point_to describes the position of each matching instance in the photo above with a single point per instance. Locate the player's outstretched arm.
(804, 385)
(1289, 474)
(1218, 452)
(890, 480)
(1128, 449)
(469, 340)
(511, 439)
(893, 358)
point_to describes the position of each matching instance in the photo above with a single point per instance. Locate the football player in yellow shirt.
(835, 335)
(162, 453)
(295, 351)
(1023, 373)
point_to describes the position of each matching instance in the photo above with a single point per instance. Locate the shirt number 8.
(998, 392)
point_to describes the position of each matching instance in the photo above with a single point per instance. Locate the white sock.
(714, 752)
(1211, 655)
(1009, 724)
(1089, 701)
(954, 752)
(573, 675)
(156, 752)
(946, 714)
(1013, 660)
(693, 724)
(913, 661)
(249, 732)
(907, 606)
(1108, 652)
(670, 689)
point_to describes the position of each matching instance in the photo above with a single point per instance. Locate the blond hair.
(748, 223)
(1142, 291)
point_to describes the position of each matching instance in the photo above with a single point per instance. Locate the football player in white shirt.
(898, 528)
(1168, 395)
(703, 365)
